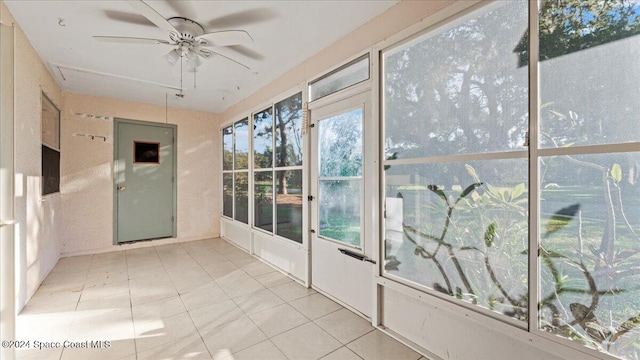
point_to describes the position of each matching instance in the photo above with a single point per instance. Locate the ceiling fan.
(189, 39)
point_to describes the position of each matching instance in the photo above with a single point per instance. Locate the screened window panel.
(288, 131)
(263, 139)
(350, 74)
(589, 233)
(289, 204)
(589, 73)
(241, 145)
(459, 89)
(241, 199)
(227, 148)
(227, 194)
(461, 228)
(263, 200)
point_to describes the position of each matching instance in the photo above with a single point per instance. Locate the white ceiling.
(284, 33)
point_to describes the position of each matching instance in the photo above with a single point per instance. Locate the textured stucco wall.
(87, 171)
(36, 231)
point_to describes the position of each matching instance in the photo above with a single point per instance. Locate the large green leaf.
(438, 190)
(616, 172)
(490, 234)
(472, 172)
(561, 218)
(469, 189)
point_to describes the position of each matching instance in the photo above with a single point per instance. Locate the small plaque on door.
(146, 152)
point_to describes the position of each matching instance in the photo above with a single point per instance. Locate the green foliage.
(616, 172)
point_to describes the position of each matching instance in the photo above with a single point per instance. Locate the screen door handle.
(355, 255)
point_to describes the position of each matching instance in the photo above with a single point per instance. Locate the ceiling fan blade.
(246, 17)
(152, 15)
(129, 18)
(207, 54)
(130, 40)
(225, 38)
(245, 51)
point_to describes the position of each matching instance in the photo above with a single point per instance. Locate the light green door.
(145, 189)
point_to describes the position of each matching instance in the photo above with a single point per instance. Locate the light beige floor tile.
(143, 291)
(77, 264)
(152, 274)
(291, 291)
(33, 354)
(106, 278)
(242, 287)
(273, 279)
(278, 319)
(98, 269)
(306, 342)
(64, 279)
(188, 348)
(54, 302)
(158, 309)
(221, 269)
(257, 268)
(116, 301)
(98, 291)
(45, 322)
(215, 315)
(257, 301)
(119, 349)
(102, 325)
(230, 277)
(344, 325)
(157, 332)
(186, 285)
(233, 336)
(379, 346)
(187, 273)
(202, 296)
(262, 351)
(315, 306)
(243, 261)
(342, 353)
(59, 287)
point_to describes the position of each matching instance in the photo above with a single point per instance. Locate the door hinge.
(173, 218)
(310, 197)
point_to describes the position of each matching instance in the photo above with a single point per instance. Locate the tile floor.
(196, 300)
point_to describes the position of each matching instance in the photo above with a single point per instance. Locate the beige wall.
(87, 171)
(37, 231)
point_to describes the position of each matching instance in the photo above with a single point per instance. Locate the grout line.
(133, 325)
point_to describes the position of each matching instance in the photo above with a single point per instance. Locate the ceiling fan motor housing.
(188, 29)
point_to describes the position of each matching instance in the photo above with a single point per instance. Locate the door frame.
(7, 192)
(174, 185)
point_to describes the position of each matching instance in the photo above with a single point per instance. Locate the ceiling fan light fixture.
(193, 59)
(173, 56)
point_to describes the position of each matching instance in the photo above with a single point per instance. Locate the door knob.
(122, 188)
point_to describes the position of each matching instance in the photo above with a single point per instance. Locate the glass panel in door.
(340, 177)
